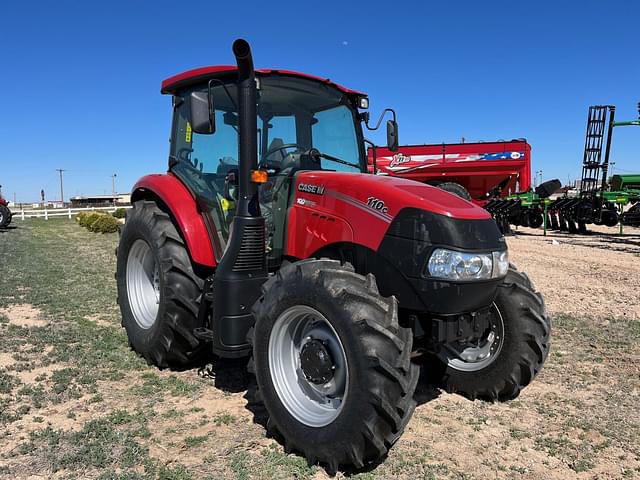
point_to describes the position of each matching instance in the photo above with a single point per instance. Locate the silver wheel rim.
(143, 284)
(474, 358)
(311, 404)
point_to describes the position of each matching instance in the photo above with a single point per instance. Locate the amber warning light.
(259, 176)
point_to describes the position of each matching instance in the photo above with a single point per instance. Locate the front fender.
(182, 207)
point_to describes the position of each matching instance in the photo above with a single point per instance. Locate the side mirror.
(203, 118)
(392, 135)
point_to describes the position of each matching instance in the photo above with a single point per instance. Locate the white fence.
(61, 212)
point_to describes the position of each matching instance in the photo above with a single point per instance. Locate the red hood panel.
(387, 195)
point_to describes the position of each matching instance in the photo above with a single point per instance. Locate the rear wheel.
(158, 290)
(332, 365)
(455, 188)
(510, 354)
(5, 216)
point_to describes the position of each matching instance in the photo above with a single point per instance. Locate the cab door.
(204, 161)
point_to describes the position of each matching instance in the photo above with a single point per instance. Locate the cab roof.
(190, 77)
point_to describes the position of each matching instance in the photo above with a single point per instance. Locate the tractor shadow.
(6, 229)
(228, 375)
(231, 376)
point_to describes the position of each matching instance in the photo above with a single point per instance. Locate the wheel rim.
(143, 284)
(312, 403)
(477, 357)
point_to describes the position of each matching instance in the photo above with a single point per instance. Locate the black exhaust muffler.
(243, 267)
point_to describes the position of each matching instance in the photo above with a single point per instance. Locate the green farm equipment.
(628, 186)
(600, 201)
(528, 209)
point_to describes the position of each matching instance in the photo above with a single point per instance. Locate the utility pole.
(59, 170)
(113, 187)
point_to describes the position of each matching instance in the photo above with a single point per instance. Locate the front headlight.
(454, 265)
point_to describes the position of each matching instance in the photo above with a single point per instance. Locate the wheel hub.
(472, 356)
(143, 284)
(316, 362)
(308, 366)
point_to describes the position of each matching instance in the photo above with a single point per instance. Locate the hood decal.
(385, 217)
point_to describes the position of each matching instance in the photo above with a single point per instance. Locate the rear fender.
(182, 207)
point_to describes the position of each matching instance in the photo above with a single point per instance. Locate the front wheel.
(510, 354)
(332, 365)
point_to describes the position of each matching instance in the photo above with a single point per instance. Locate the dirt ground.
(583, 274)
(75, 402)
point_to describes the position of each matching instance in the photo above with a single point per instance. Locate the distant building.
(82, 201)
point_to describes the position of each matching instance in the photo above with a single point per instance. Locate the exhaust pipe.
(236, 284)
(248, 204)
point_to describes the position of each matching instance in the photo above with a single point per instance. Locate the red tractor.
(5, 213)
(268, 238)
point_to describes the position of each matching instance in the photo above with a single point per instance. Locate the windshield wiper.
(314, 152)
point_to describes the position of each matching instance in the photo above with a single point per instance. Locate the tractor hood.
(399, 223)
(381, 196)
(334, 207)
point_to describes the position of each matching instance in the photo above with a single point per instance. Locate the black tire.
(455, 188)
(169, 341)
(610, 218)
(382, 378)
(5, 216)
(527, 329)
(535, 219)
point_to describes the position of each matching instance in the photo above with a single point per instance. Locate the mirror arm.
(386, 110)
(226, 90)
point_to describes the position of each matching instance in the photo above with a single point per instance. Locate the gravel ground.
(595, 275)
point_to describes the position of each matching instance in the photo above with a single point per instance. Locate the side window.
(333, 133)
(213, 152)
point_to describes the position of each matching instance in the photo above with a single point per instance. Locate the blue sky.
(80, 80)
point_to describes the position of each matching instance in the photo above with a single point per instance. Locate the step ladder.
(594, 166)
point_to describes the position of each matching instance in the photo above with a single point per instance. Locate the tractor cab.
(304, 123)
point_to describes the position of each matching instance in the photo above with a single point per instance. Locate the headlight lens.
(453, 265)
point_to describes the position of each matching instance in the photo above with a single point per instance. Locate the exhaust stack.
(242, 270)
(248, 204)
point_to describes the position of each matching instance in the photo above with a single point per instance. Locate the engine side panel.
(182, 205)
(308, 231)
